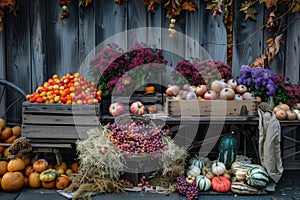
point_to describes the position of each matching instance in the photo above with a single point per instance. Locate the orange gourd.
(12, 181)
(62, 182)
(16, 164)
(3, 167)
(48, 184)
(6, 152)
(6, 133)
(40, 165)
(149, 89)
(34, 180)
(11, 139)
(16, 131)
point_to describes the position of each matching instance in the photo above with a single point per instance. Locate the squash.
(198, 162)
(149, 89)
(34, 180)
(257, 177)
(49, 175)
(12, 181)
(16, 131)
(28, 170)
(227, 174)
(75, 167)
(238, 165)
(62, 182)
(6, 133)
(2, 124)
(203, 183)
(3, 167)
(48, 184)
(227, 150)
(206, 171)
(11, 139)
(242, 188)
(221, 184)
(16, 164)
(218, 168)
(194, 171)
(6, 152)
(241, 174)
(40, 165)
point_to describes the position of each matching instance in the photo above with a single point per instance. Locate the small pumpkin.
(28, 170)
(40, 165)
(241, 174)
(11, 139)
(203, 183)
(48, 184)
(16, 131)
(149, 89)
(12, 181)
(6, 152)
(218, 168)
(26, 159)
(227, 174)
(221, 184)
(75, 167)
(16, 164)
(49, 175)
(206, 171)
(3, 167)
(194, 171)
(6, 133)
(198, 162)
(62, 182)
(2, 124)
(257, 177)
(34, 180)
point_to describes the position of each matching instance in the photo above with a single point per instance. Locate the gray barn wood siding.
(35, 45)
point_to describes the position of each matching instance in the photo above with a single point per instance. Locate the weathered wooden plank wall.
(35, 45)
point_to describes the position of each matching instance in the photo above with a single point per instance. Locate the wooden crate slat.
(209, 108)
(60, 119)
(65, 109)
(55, 132)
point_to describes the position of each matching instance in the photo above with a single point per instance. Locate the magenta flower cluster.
(197, 73)
(118, 72)
(258, 80)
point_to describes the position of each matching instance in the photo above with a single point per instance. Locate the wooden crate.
(58, 123)
(209, 108)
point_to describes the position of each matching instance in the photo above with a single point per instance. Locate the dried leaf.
(296, 7)
(269, 3)
(271, 51)
(271, 20)
(259, 62)
(250, 13)
(270, 42)
(189, 6)
(245, 6)
(215, 7)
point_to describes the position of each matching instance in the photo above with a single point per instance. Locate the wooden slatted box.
(58, 123)
(210, 108)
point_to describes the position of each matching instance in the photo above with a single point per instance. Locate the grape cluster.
(190, 190)
(137, 137)
(63, 4)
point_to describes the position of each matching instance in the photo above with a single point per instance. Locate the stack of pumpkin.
(232, 174)
(19, 172)
(8, 134)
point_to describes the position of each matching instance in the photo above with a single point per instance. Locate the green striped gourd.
(203, 183)
(242, 188)
(198, 162)
(257, 177)
(227, 150)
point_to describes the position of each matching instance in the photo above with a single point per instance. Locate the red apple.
(232, 83)
(116, 109)
(227, 94)
(137, 108)
(210, 95)
(241, 89)
(200, 90)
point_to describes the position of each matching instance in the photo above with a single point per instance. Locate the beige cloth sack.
(269, 144)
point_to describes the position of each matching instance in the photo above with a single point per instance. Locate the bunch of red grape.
(137, 137)
(190, 190)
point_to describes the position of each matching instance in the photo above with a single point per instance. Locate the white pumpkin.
(218, 168)
(194, 171)
(203, 183)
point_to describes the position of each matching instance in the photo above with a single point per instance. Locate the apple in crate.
(137, 108)
(116, 109)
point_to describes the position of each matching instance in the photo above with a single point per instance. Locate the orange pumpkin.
(34, 180)
(2, 149)
(40, 165)
(2, 124)
(62, 182)
(48, 184)
(6, 133)
(149, 89)
(16, 131)
(26, 181)
(3, 167)
(75, 167)
(12, 181)
(28, 170)
(16, 164)
(11, 139)
(6, 152)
